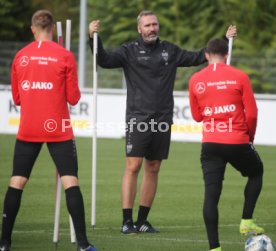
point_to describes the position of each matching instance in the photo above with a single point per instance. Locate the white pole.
(68, 34)
(68, 47)
(58, 181)
(59, 33)
(72, 230)
(94, 121)
(57, 209)
(230, 45)
(82, 42)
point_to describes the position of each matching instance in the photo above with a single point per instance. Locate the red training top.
(221, 96)
(44, 78)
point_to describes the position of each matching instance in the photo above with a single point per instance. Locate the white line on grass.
(117, 228)
(157, 237)
(184, 240)
(64, 232)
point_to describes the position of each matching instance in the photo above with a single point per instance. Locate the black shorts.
(64, 155)
(148, 139)
(243, 157)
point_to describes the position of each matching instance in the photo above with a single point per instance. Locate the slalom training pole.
(68, 35)
(57, 209)
(94, 138)
(230, 45)
(68, 47)
(58, 180)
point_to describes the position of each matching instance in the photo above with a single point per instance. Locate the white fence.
(111, 116)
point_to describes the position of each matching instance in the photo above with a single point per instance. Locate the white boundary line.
(163, 228)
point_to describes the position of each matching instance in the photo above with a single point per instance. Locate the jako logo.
(26, 85)
(224, 109)
(207, 111)
(42, 85)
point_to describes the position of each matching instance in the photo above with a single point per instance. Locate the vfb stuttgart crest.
(129, 148)
(165, 55)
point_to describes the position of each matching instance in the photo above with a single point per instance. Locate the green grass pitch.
(177, 210)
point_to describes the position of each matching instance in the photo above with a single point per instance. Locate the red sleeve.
(195, 108)
(250, 107)
(72, 88)
(14, 84)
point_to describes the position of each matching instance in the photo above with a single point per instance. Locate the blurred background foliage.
(187, 23)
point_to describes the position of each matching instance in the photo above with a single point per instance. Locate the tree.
(62, 10)
(191, 23)
(187, 23)
(15, 19)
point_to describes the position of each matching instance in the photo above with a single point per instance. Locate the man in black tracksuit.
(149, 66)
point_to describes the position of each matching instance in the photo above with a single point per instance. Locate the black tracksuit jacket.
(150, 72)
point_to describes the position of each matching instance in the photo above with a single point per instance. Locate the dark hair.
(217, 46)
(144, 13)
(43, 19)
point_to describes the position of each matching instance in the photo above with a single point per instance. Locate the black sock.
(142, 214)
(11, 207)
(127, 215)
(211, 214)
(251, 194)
(75, 208)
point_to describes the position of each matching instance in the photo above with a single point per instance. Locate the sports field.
(176, 212)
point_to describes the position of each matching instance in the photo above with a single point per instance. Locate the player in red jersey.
(221, 96)
(44, 81)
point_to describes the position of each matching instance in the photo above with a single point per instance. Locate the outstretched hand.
(231, 31)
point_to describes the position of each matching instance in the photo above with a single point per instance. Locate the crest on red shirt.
(26, 85)
(207, 111)
(24, 61)
(200, 87)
